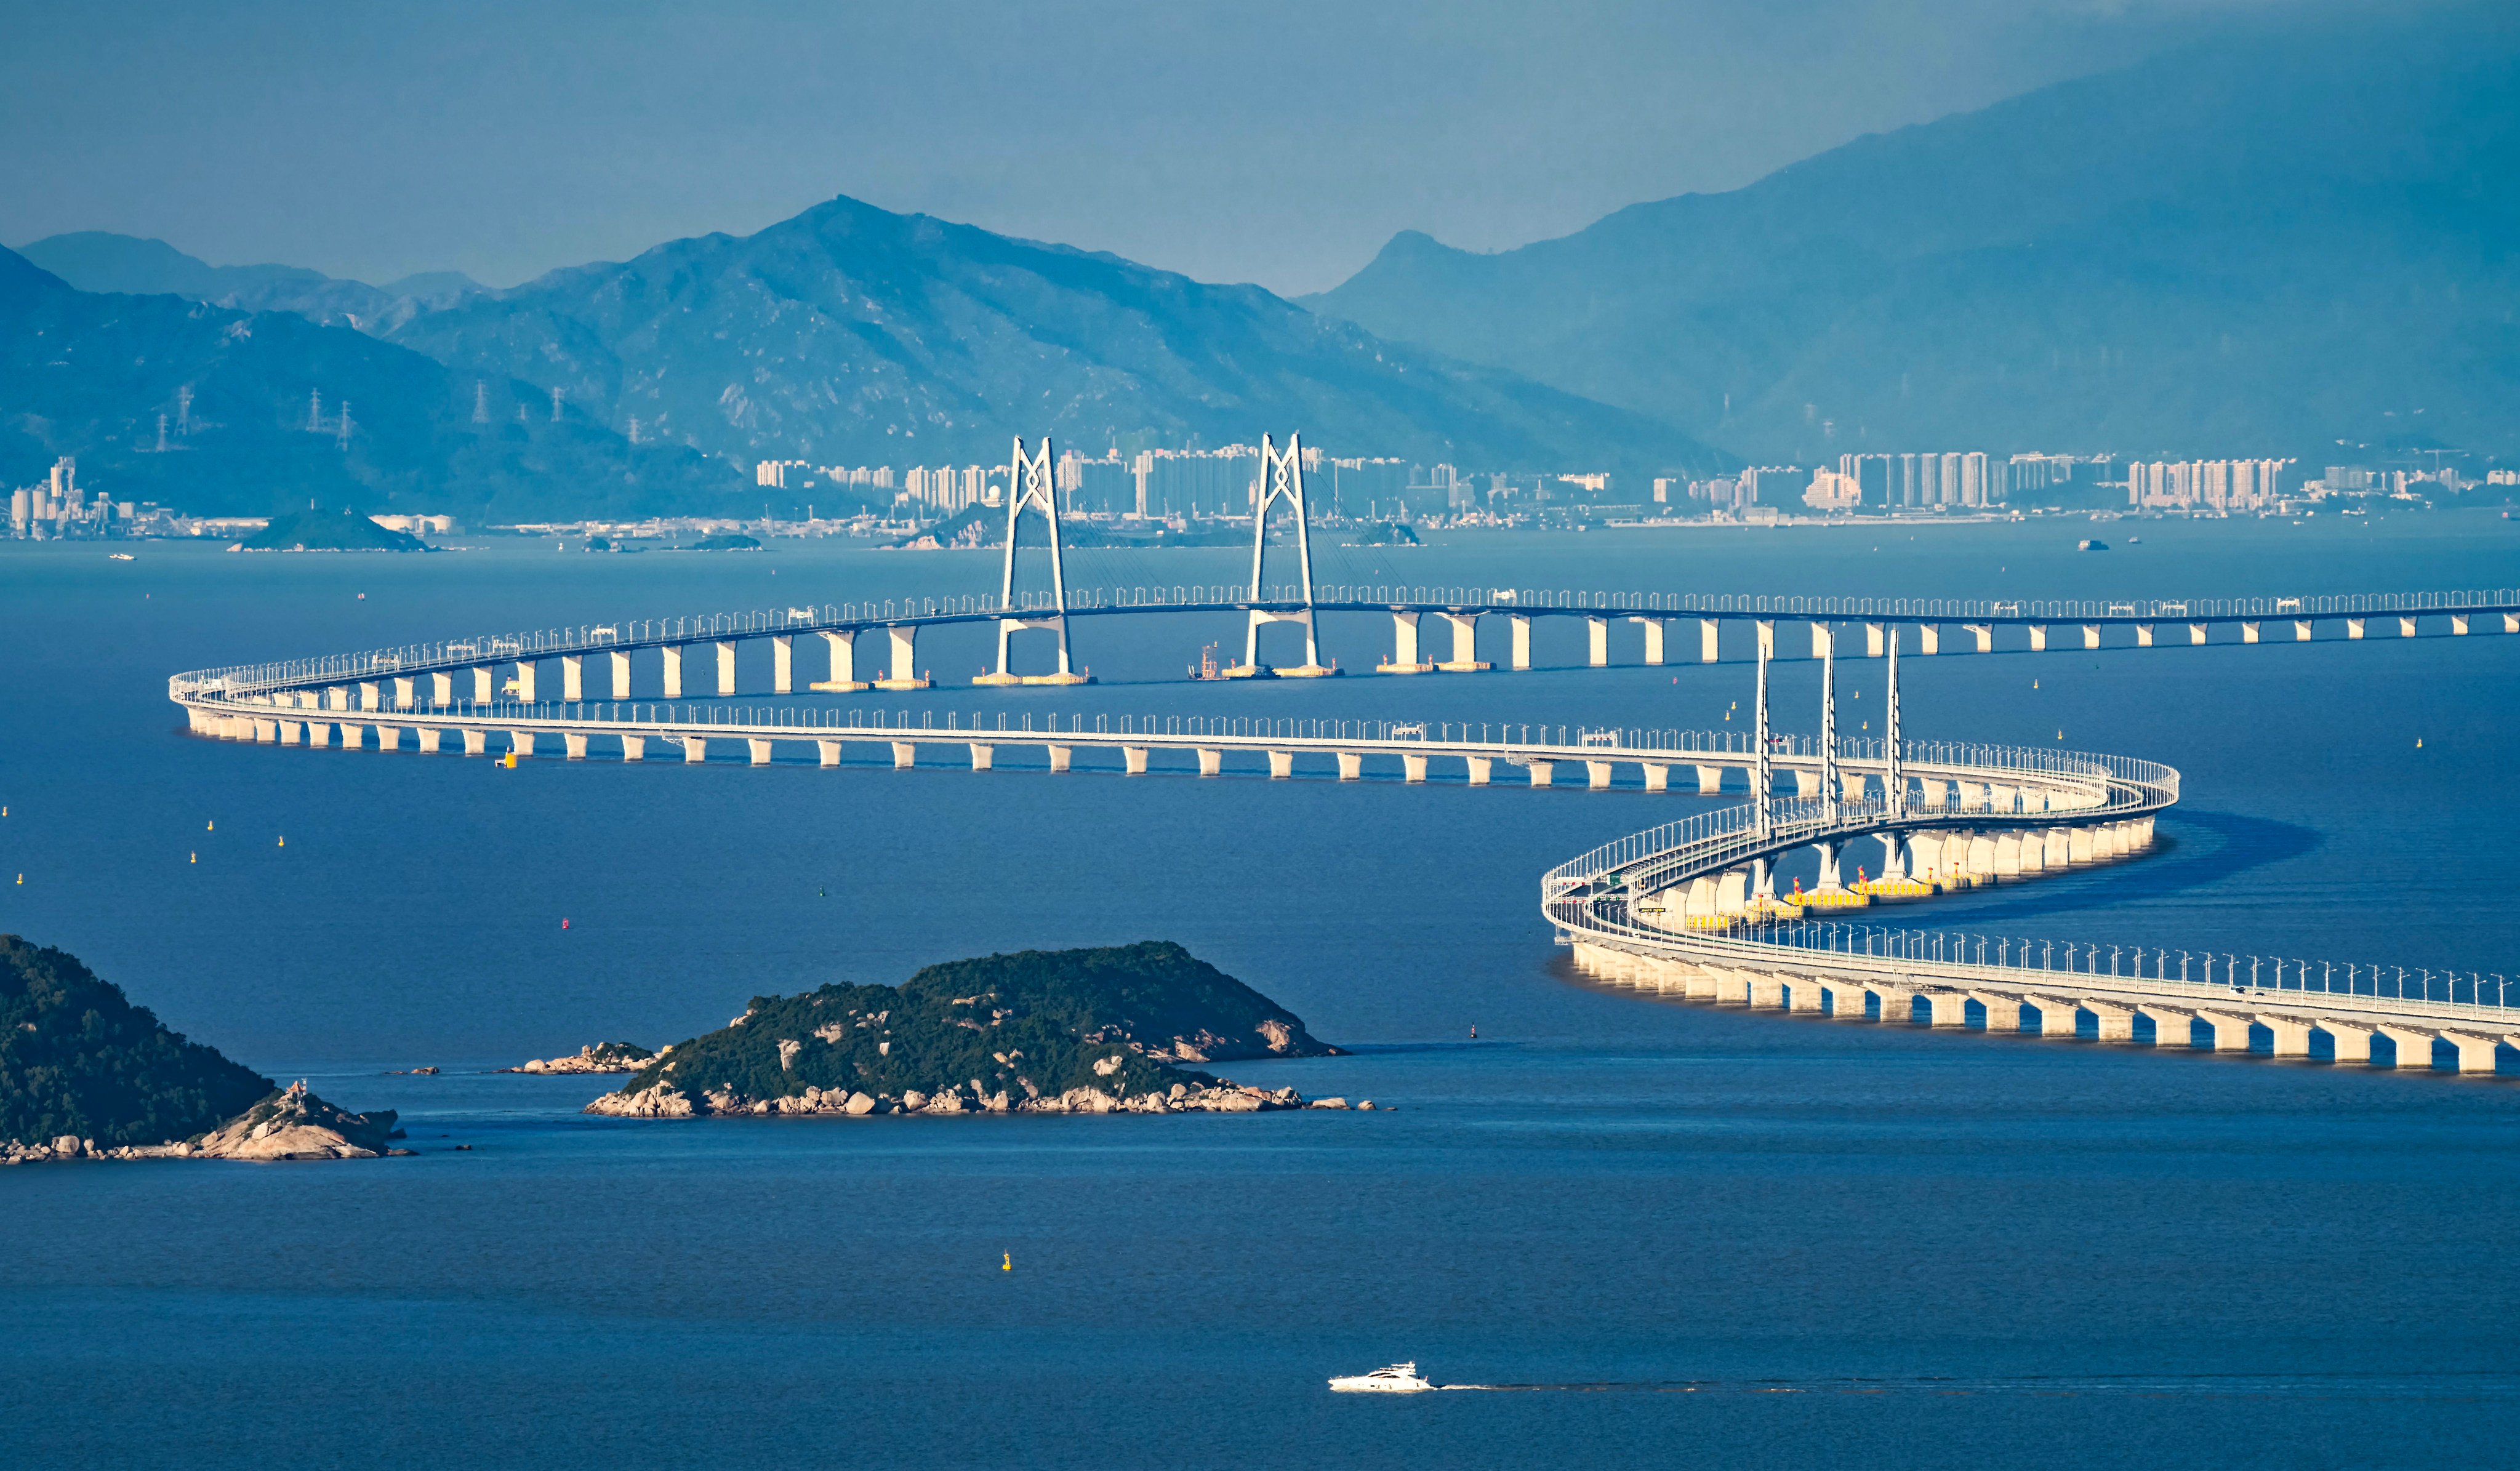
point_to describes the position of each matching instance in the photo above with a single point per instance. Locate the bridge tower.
(1281, 478)
(1032, 483)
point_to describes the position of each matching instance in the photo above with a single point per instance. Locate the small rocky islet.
(1101, 1030)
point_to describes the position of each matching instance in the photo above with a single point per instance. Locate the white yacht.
(1393, 1379)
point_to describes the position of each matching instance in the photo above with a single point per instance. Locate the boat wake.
(2475, 1385)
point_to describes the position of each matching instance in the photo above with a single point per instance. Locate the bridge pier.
(1898, 1003)
(1766, 990)
(2459, 624)
(2415, 1045)
(2291, 1034)
(2171, 1026)
(2195, 633)
(1351, 766)
(760, 750)
(2143, 635)
(1283, 764)
(904, 639)
(2475, 1052)
(2002, 1012)
(573, 743)
(1845, 999)
(1597, 775)
(1985, 636)
(2301, 630)
(1710, 780)
(1481, 769)
(673, 654)
(2091, 636)
(1872, 640)
(350, 736)
(527, 671)
(2056, 1021)
(1946, 1008)
(441, 690)
(476, 743)
(388, 737)
(483, 676)
(2038, 639)
(1404, 648)
(2406, 628)
(406, 692)
(2115, 1023)
(1520, 626)
(1597, 637)
(726, 666)
(635, 747)
(572, 677)
(369, 699)
(2352, 1043)
(1803, 994)
(828, 752)
(2512, 623)
(291, 731)
(841, 643)
(431, 737)
(1806, 784)
(521, 744)
(1466, 645)
(2231, 1032)
(985, 757)
(620, 661)
(1653, 638)
(782, 664)
(905, 755)
(1929, 637)
(1543, 773)
(1060, 756)
(694, 749)
(1211, 762)
(1707, 642)
(2248, 630)
(1658, 775)
(2353, 628)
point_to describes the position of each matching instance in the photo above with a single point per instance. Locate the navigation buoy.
(2419, 742)
(283, 842)
(193, 858)
(563, 924)
(210, 828)
(509, 761)
(1008, 1265)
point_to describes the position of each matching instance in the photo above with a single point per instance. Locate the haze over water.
(1951, 1248)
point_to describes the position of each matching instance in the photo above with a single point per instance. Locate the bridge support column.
(388, 737)
(1732, 987)
(1657, 777)
(673, 654)
(2301, 630)
(983, 757)
(726, 666)
(1597, 775)
(1985, 636)
(2195, 633)
(291, 731)
(350, 734)
(1351, 766)
(1211, 762)
(2406, 628)
(1929, 637)
(1830, 881)
(406, 692)
(482, 685)
(2353, 628)
(1520, 624)
(2143, 635)
(266, 732)
(1060, 756)
(2291, 1034)
(760, 750)
(2080, 849)
(1707, 642)
(904, 754)
(1404, 648)
(621, 663)
(1803, 994)
(1543, 773)
(2116, 1023)
(1466, 644)
(2414, 1047)
(904, 641)
(1851, 786)
(2248, 632)
(1898, 1003)
(2007, 856)
(783, 663)
(2060, 848)
(2171, 1026)
(635, 747)
(842, 643)
(2002, 1012)
(2055, 1015)
(572, 677)
(2231, 1032)
(526, 670)
(2352, 1043)
(574, 744)
(476, 743)
(2038, 639)
(1653, 638)
(2475, 1052)
(694, 749)
(1710, 780)
(1482, 769)
(1596, 635)
(369, 698)
(441, 690)
(1845, 999)
(1934, 793)
(2512, 623)
(430, 737)
(1806, 784)
(1873, 642)
(827, 751)
(521, 744)
(1731, 892)
(2459, 624)
(1283, 764)
(1767, 991)
(2091, 636)
(1947, 1008)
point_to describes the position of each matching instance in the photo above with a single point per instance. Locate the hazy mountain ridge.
(853, 334)
(2246, 246)
(97, 260)
(88, 374)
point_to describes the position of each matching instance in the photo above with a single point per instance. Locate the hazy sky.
(1280, 143)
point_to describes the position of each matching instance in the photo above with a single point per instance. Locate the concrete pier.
(388, 737)
(430, 739)
(520, 743)
(1134, 758)
(1596, 642)
(1482, 769)
(574, 744)
(1520, 626)
(2352, 1043)
(1211, 762)
(1710, 780)
(527, 671)
(2231, 1032)
(1062, 757)
(2291, 1034)
(406, 692)
(634, 748)
(1413, 768)
(1283, 764)
(1351, 766)
(694, 749)
(673, 655)
(760, 750)
(572, 677)
(904, 640)
(2353, 628)
(484, 684)
(1846, 999)
(2056, 1015)
(2475, 1052)
(2171, 1027)
(2038, 639)
(983, 757)
(1543, 773)
(441, 690)
(841, 645)
(905, 755)
(1929, 637)
(726, 666)
(2143, 635)
(1404, 658)
(620, 663)
(828, 752)
(1653, 637)
(783, 663)
(1707, 642)
(1946, 1008)
(291, 731)
(2115, 1023)
(476, 743)
(2004, 1013)
(2414, 1047)
(351, 736)
(2195, 633)
(1466, 644)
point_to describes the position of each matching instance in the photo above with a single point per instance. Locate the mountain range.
(2253, 245)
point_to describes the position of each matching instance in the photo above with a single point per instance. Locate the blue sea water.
(1677, 1235)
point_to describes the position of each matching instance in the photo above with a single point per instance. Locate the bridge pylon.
(1032, 483)
(1281, 478)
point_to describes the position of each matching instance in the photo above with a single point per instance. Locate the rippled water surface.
(1670, 1233)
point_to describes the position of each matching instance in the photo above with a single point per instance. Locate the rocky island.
(84, 1074)
(1072, 1031)
(594, 1057)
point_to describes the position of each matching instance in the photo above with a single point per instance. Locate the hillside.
(97, 260)
(88, 375)
(78, 1059)
(1041, 1031)
(850, 334)
(2251, 247)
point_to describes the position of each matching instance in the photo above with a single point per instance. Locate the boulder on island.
(594, 1057)
(294, 1123)
(1072, 1031)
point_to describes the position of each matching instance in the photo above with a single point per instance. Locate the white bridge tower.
(1032, 483)
(1281, 478)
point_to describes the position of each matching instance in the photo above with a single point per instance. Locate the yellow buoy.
(283, 842)
(193, 858)
(2419, 742)
(509, 761)
(1009, 1264)
(212, 827)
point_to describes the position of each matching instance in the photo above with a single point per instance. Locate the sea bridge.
(1690, 908)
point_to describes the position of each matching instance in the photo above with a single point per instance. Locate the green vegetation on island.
(726, 541)
(79, 1060)
(1040, 1032)
(327, 531)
